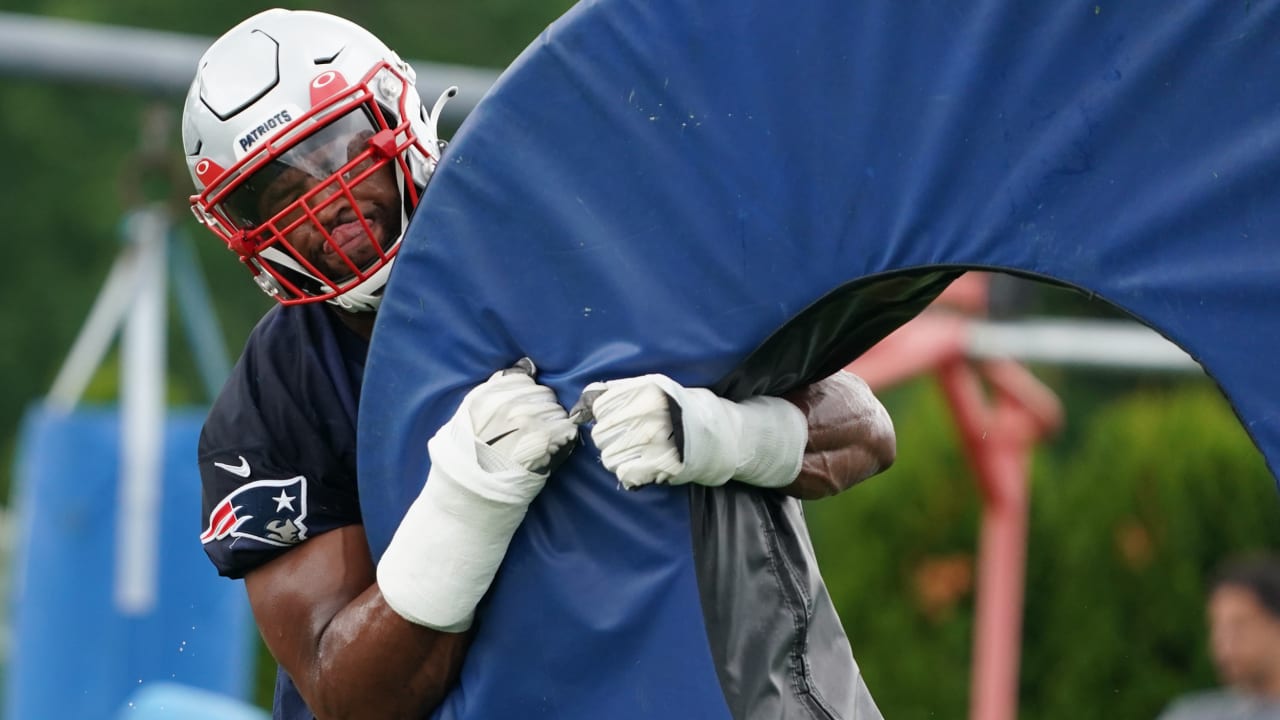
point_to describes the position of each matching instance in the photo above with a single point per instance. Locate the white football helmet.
(294, 127)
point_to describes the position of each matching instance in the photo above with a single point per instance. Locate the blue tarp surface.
(666, 185)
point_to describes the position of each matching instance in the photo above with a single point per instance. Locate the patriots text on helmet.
(266, 127)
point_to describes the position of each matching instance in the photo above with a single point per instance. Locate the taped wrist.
(759, 441)
(449, 545)
(774, 434)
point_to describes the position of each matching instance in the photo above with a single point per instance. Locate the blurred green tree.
(1126, 526)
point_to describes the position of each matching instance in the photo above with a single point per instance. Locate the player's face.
(1245, 638)
(334, 208)
(376, 200)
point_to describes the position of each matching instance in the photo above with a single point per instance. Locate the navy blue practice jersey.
(278, 449)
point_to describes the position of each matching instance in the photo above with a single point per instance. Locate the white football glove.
(651, 429)
(487, 464)
(519, 421)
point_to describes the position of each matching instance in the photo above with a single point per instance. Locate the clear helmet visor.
(326, 213)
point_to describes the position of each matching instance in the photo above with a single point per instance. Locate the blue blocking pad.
(746, 194)
(77, 653)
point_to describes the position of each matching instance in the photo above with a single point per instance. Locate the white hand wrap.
(759, 441)
(448, 547)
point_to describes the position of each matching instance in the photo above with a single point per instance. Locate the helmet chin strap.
(361, 297)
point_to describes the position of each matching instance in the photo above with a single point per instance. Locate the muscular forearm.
(851, 436)
(372, 663)
(378, 641)
(349, 653)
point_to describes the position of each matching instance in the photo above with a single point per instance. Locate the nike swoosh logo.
(496, 438)
(242, 469)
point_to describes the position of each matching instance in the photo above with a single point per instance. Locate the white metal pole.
(142, 411)
(1114, 344)
(153, 60)
(91, 345)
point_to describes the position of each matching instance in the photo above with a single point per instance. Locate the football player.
(310, 148)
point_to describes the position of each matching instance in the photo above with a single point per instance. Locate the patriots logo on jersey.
(269, 511)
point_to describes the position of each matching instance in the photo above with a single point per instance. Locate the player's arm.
(816, 442)
(321, 614)
(850, 436)
(361, 640)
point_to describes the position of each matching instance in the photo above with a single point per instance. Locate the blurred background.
(1145, 485)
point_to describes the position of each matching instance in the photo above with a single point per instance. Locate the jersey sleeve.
(276, 455)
